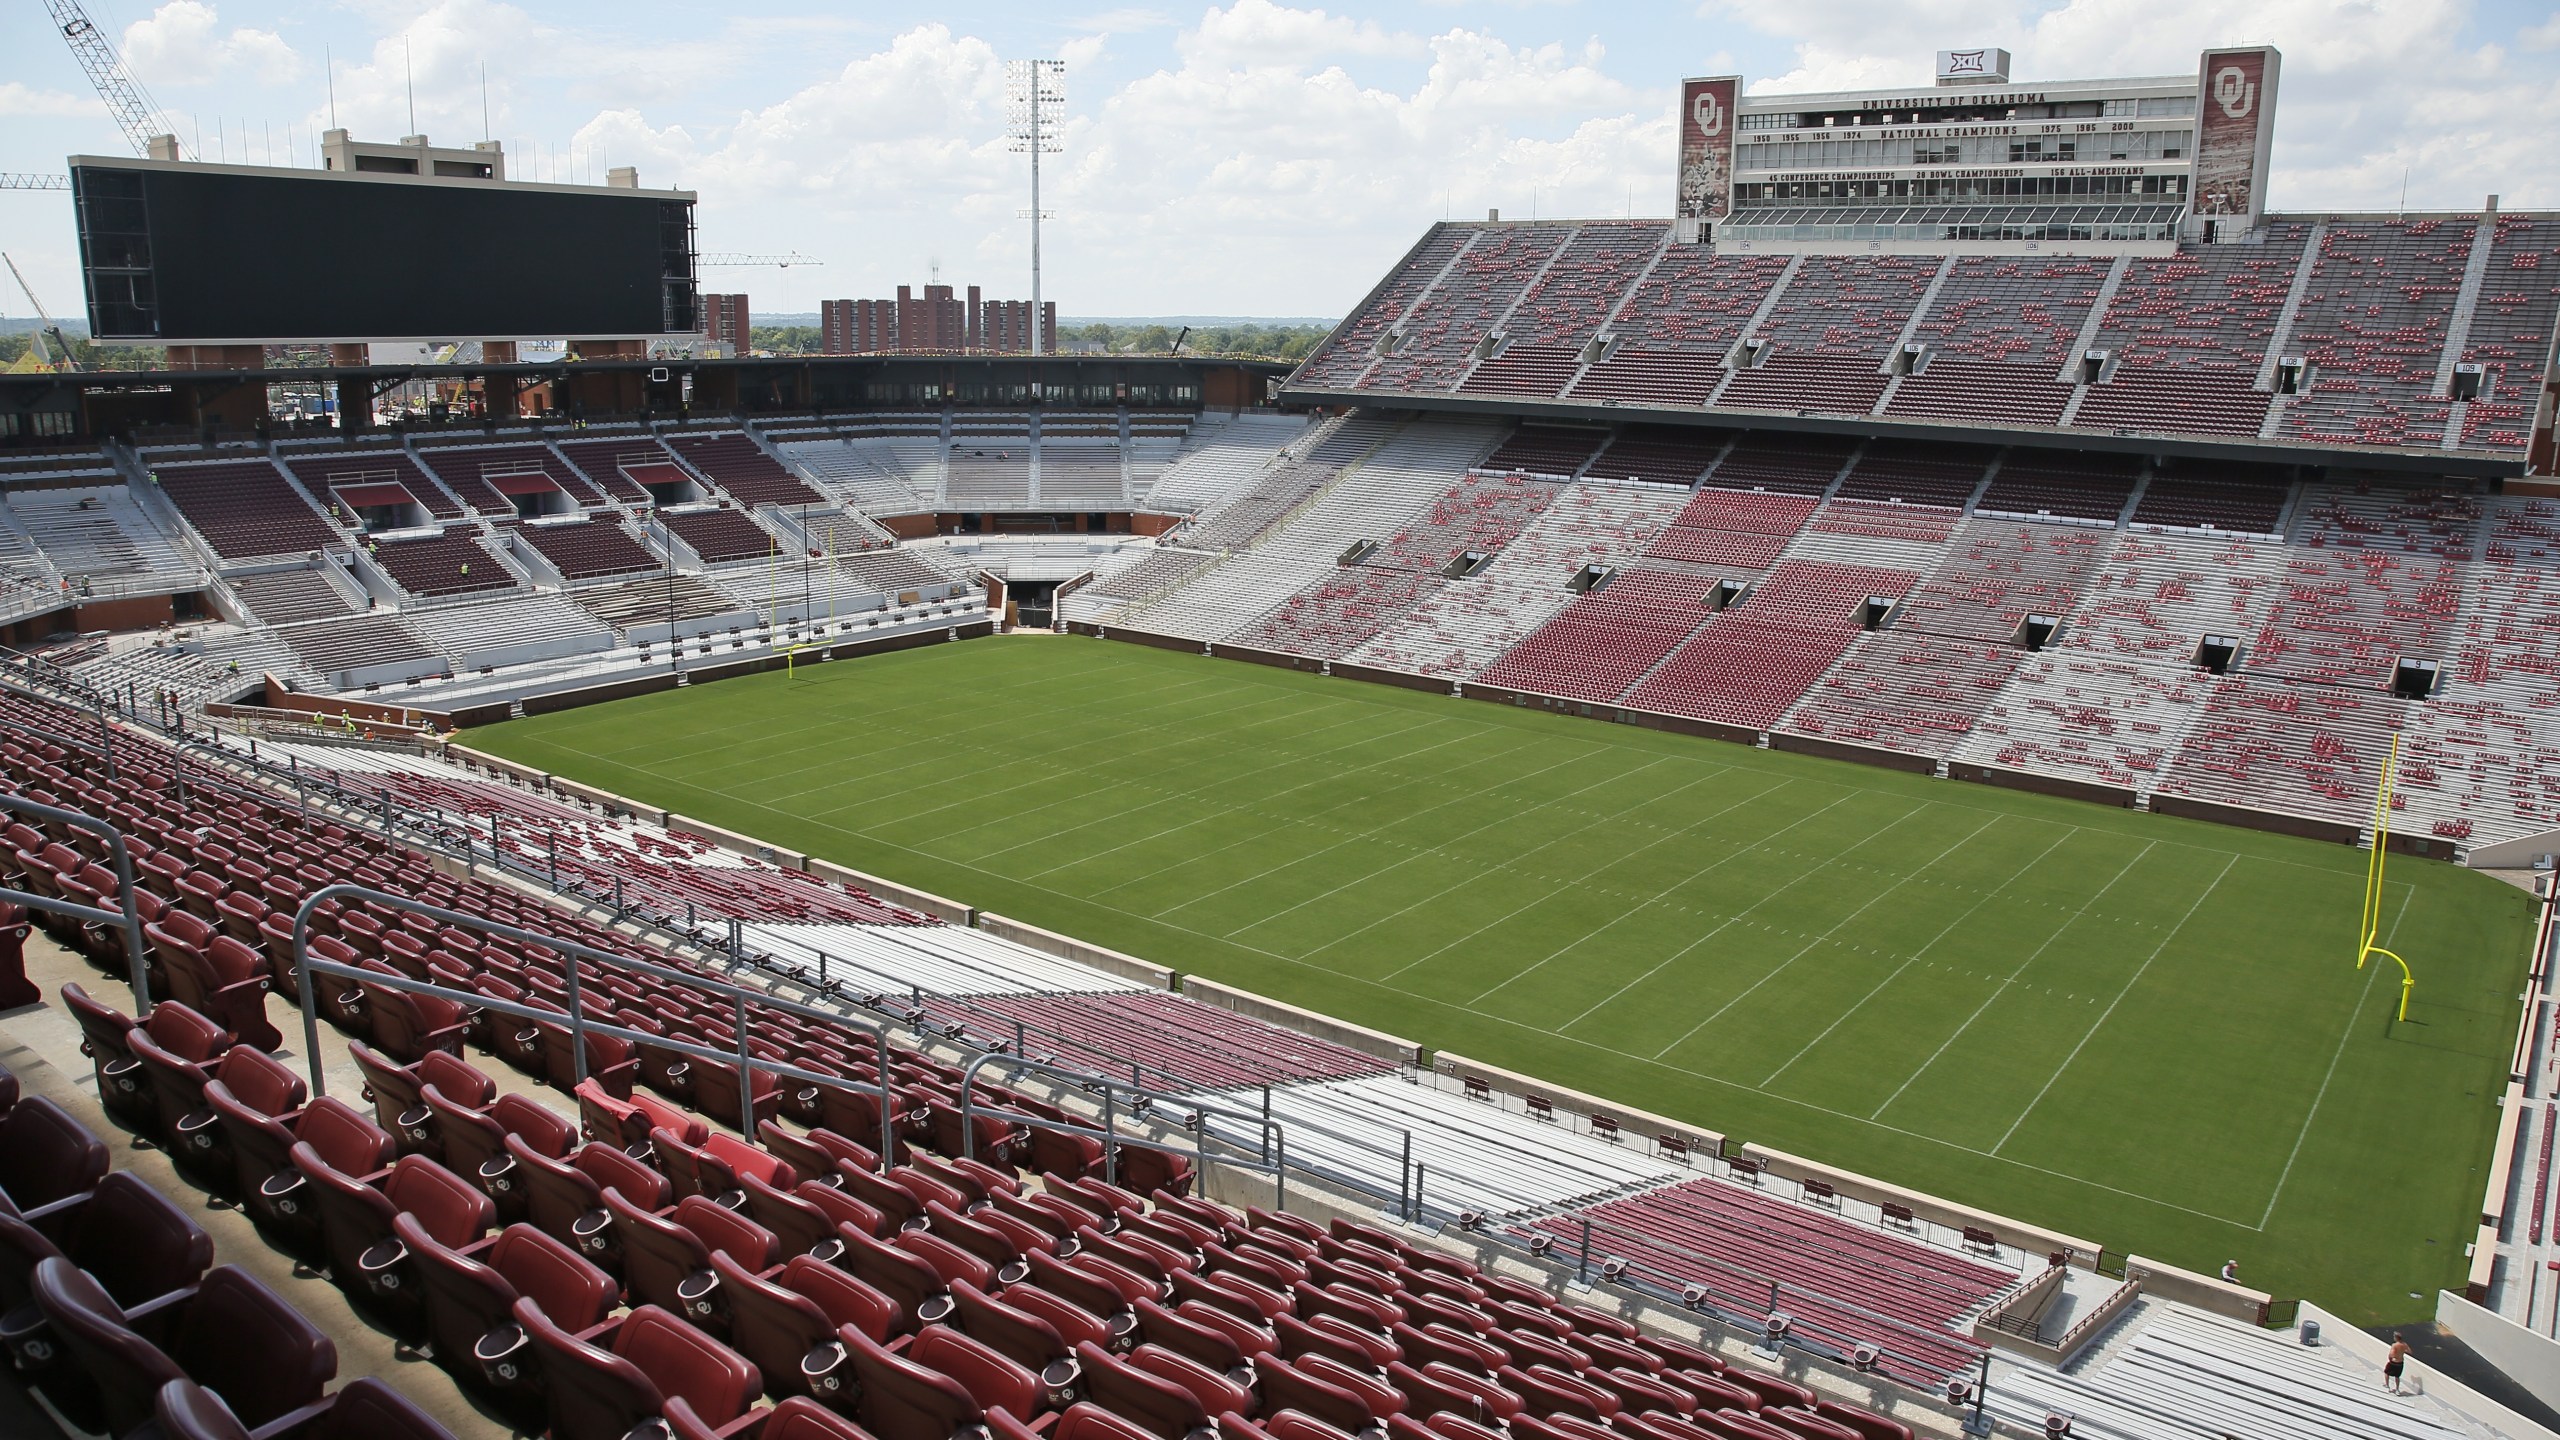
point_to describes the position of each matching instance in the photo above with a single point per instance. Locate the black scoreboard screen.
(192, 254)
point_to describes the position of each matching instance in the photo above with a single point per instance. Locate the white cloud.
(183, 43)
(17, 99)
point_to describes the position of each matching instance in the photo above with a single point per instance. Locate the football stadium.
(1908, 802)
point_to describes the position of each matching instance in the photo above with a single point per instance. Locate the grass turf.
(2141, 1030)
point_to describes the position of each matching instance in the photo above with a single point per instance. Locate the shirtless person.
(2394, 1363)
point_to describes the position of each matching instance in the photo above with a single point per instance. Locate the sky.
(1252, 157)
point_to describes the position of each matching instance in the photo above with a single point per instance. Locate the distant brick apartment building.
(936, 321)
(725, 322)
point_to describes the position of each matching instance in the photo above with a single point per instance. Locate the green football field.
(2145, 1031)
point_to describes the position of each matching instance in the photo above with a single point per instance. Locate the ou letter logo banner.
(1709, 113)
(2233, 91)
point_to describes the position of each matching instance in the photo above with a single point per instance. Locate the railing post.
(1417, 1194)
(1582, 1267)
(746, 1077)
(1404, 1181)
(555, 862)
(310, 1003)
(1110, 1135)
(888, 1104)
(577, 1014)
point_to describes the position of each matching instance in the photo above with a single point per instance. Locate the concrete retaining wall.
(1050, 942)
(2246, 818)
(2205, 1292)
(610, 801)
(897, 894)
(1861, 754)
(1291, 1017)
(736, 843)
(2032, 1238)
(1631, 1121)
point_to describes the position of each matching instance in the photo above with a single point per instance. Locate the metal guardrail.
(1275, 1145)
(123, 918)
(579, 1026)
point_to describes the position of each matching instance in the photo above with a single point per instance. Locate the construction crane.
(48, 332)
(729, 260)
(20, 180)
(130, 105)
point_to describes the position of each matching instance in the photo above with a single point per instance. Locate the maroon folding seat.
(712, 1167)
(929, 1186)
(1330, 1335)
(1641, 1393)
(1771, 1390)
(470, 1300)
(398, 1092)
(1157, 1405)
(1081, 1421)
(130, 1239)
(1250, 1337)
(666, 1260)
(1743, 1425)
(1217, 1392)
(1289, 1385)
(1525, 1348)
(628, 1121)
(176, 1080)
(1237, 1294)
(1534, 1426)
(1547, 1390)
(46, 1157)
(998, 1383)
(896, 1203)
(233, 1334)
(474, 1141)
(1169, 1330)
(799, 1226)
(894, 1397)
(356, 1222)
(271, 1189)
(105, 1037)
(1177, 1230)
(1439, 1388)
(906, 1278)
(602, 1391)
(247, 1080)
(1299, 1425)
(1445, 1343)
(565, 1199)
(1075, 1324)
(1373, 1392)
(1362, 1308)
(366, 1409)
(611, 1063)
(405, 1026)
(1137, 1249)
(778, 1327)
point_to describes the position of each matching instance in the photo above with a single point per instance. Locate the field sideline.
(2144, 1030)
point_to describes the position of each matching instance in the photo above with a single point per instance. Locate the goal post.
(2369, 929)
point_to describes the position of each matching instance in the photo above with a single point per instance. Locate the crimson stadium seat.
(46, 1157)
(233, 1334)
(366, 1409)
(470, 1298)
(599, 1392)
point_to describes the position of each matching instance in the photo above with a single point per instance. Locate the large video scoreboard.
(173, 252)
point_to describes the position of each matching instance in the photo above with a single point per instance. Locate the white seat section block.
(939, 959)
(1474, 1156)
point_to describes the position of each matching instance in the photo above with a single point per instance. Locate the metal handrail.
(1275, 1141)
(579, 1026)
(124, 918)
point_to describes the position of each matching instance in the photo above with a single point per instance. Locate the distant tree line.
(1262, 342)
(93, 356)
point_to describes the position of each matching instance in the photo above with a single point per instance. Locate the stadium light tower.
(1035, 97)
